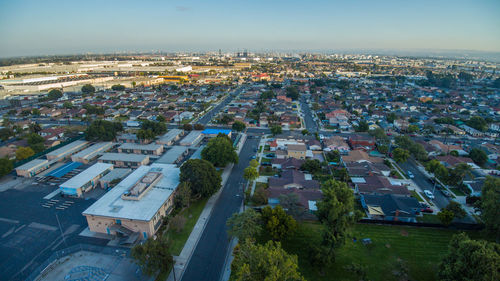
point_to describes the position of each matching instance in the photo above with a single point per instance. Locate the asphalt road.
(209, 256)
(311, 126)
(207, 117)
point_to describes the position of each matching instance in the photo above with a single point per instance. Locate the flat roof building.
(91, 152)
(173, 155)
(86, 180)
(170, 137)
(192, 139)
(211, 133)
(66, 151)
(124, 160)
(137, 204)
(32, 168)
(115, 174)
(197, 153)
(149, 149)
(128, 138)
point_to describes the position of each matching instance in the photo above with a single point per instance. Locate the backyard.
(418, 249)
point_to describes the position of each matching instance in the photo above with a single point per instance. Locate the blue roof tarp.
(63, 170)
(216, 131)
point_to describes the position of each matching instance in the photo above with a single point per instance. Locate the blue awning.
(63, 170)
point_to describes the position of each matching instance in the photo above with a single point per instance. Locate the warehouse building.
(192, 139)
(128, 138)
(90, 153)
(197, 153)
(86, 180)
(149, 149)
(33, 168)
(135, 207)
(174, 155)
(115, 174)
(170, 137)
(124, 160)
(66, 151)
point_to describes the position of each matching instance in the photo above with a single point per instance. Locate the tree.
(199, 127)
(478, 123)
(291, 203)
(292, 92)
(182, 195)
(312, 166)
(400, 155)
(6, 133)
(445, 216)
(478, 156)
(276, 130)
(264, 262)
(456, 209)
(254, 163)
(88, 89)
(187, 127)
(337, 214)
(470, 260)
(362, 126)
(203, 178)
(158, 128)
(54, 94)
(305, 132)
(238, 126)
(35, 128)
(413, 128)
(490, 205)
(160, 118)
(220, 151)
(103, 130)
(35, 111)
(391, 117)
(6, 166)
(245, 225)
(145, 134)
(278, 223)
(153, 256)
(226, 119)
(24, 152)
(35, 139)
(118, 87)
(250, 173)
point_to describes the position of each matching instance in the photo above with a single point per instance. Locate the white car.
(410, 175)
(429, 194)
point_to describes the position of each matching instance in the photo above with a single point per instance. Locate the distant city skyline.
(29, 28)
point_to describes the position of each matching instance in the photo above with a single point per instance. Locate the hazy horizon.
(34, 28)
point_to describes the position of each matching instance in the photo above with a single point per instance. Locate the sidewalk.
(182, 260)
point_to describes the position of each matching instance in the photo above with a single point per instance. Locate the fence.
(50, 149)
(52, 261)
(454, 225)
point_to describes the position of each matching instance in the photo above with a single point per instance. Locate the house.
(314, 145)
(297, 151)
(475, 187)
(391, 207)
(360, 156)
(287, 163)
(451, 161)
(336, 143)
(294, 179)
(307, 198)
(361, 169)
(362, 141)
(378, 185)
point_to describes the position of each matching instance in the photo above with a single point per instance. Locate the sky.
(51, 27)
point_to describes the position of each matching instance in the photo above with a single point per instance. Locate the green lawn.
(265, 160)
(179, 239)
(428, 218)
(260, 149)
(260, 185)
(419, 248)
(457, 191)
(415, 194)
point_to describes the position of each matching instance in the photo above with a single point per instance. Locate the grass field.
(420, 249)
(428, 218)
(178, 239)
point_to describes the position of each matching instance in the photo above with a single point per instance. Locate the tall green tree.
(478, 156)
(312, 166)
(445, 216)
(362, 126)
(88, 89)
(400, 155)
(6, 166)
(203, 178)
(456, 209)
(267, 262)
(54, 94)
(182, 195)
(276, 130)
(220, 151)
(24, 152)
(245, 225)
(278, 223)
(103, 130)
(470, 260)
(238, 126)
(153, 256)
(250, 173)
(490, 205)
(337, 214)
(292, 92)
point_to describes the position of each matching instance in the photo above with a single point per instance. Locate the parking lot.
(32, 228)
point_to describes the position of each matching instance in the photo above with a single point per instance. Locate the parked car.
(410, 175)
(253, 157)
(427, 210)
(446, 192)
(429, 194)
(270, 155)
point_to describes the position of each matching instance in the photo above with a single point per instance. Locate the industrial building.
(170, 137)
(115, 174)
(90, 153)
(192, 139)
(174, 155)
(149, 149)
(197, 153)
(86, 180)
(32, 168)
(128, 138)
(66, 151)
(135, 207)
(124, 160)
